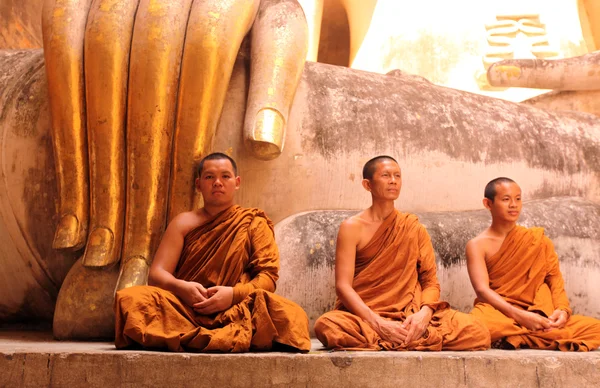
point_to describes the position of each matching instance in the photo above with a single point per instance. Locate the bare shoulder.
(476, 241)
(353, 224)
(482, 244)
(186, 221)
(351, 228)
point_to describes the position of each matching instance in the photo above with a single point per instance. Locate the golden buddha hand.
(137, 88)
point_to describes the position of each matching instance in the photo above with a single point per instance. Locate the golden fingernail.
(99, 251)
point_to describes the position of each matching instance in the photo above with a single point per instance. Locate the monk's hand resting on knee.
(558, 319)
(191, 292)
(532, 321)
(417, 323)
(220, 298)
(391, 331)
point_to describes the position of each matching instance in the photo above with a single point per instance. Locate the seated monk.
(386, 282)
(212, 280)
(520, 289)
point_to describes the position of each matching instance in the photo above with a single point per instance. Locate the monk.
(386, 283)
(516, 276)
(212, 280)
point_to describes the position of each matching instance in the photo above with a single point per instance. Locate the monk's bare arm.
(481, 284)
(345, 259)
(166, 259)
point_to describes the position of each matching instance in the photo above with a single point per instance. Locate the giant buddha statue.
(128, 95)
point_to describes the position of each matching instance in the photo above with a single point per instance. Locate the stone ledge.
(35, 360)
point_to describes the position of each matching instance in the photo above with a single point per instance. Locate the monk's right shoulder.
(474, 244)
(184, 222)
(478, 246)
(351, 228)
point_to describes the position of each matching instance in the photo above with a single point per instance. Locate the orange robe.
(525, 272)
(237, 249)
(395, 275)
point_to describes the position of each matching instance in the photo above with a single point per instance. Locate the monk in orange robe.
(386, 282)
(520, 289)
(212, 280)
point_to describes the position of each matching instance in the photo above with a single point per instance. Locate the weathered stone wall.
(571, 100)
(20, 24)
(307, 247)
(31, 272)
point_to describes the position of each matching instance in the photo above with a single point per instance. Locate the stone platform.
(34, 359)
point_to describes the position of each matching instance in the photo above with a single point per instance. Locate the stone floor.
(34, 359)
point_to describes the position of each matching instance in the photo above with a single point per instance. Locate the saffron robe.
(236, 248)
(395, 275)
(526, 273)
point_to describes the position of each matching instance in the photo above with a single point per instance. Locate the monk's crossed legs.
(449, 330)
(581, 333)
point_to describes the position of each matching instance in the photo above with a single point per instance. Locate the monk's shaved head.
(490, 188)
(216, 156)
(371, 165)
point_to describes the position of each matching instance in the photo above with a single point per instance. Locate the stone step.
(34, 359)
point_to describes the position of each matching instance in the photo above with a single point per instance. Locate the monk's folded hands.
(532, 321)
(417, 323)
(190, 293)
(220, 298)
(558, 319)
(392, 331)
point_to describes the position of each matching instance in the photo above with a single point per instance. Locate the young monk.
(212, 279)
(386, 283)
(520, 290)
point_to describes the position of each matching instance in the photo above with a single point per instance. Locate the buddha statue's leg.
(63, 25)
(277, 61)
(156, 51)
(106, 50)
(577, 73)
(215, 32)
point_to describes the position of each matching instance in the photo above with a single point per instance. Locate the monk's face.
(507, 202)
(386, 182)
(218, 182)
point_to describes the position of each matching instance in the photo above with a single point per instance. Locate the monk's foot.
(84, 308)
(134, 272)
(100, 249)
(284, 348)
(268, 134)
(69, 233)
(502, 344)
